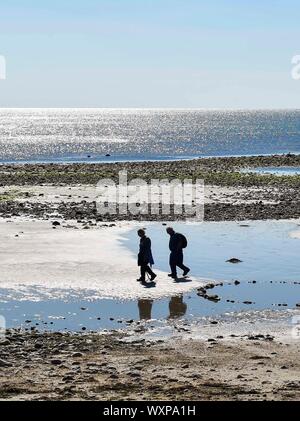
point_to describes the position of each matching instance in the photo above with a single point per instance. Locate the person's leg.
(151, 273)
(173, 265)
(180, 264)
(143, 272)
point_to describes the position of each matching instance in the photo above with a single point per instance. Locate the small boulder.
(234, 260)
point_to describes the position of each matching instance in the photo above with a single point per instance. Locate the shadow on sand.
(182, 279)
(149, 284)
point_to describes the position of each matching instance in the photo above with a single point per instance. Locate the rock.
(134, 374)
(5, 363)
(56, 224)
(234, 260)
(56, 362)
(5, 342)
(68, 379)
(214, 298)
(259, 357)
(236, 283)
(77, 355)
(248, 302)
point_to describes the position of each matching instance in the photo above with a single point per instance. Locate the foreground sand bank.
(43, 262)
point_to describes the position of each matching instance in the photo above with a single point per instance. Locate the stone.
(5, 342)
(77, 355)
(56, 362)
(234, 260)
(5, 363)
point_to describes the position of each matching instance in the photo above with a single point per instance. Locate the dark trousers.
(176, 259)
(146, 268)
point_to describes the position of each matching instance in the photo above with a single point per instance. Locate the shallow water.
(265, 248)
(80, 135)
(270, 256)
(274, 170)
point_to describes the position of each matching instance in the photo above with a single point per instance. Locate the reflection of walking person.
(177, 307)
(176, 245)
(145, 309)
(145, 258)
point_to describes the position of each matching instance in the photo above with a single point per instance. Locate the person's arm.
(142, 247)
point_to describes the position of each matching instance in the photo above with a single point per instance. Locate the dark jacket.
(145, 254)
(175, 243)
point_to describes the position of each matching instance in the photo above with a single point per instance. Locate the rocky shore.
(251, 196)
(63, 366)
(217, 171)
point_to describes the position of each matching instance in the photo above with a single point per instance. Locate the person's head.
(141, 233)
(170, 231)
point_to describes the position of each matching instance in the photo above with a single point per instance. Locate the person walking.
(145, 258)
(176, 245)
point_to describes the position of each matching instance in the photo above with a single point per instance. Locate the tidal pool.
(273, 170)
(268, 276)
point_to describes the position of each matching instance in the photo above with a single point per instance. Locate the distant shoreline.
(122, 159)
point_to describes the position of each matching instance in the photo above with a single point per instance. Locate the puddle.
(269, 254)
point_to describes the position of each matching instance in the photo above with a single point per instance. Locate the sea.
(111, 135)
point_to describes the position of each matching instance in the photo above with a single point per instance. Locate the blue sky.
(150, 53)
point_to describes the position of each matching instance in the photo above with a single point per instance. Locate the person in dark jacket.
(145, 258)
(176, 255)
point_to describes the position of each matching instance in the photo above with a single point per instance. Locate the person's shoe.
(170, 274)
(153, 276)
(186, 271)
(174, 276)
(140, 280)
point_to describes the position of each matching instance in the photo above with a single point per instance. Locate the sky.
(149, 53)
